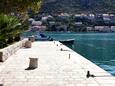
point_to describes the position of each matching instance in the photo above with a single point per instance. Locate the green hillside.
(78, 6)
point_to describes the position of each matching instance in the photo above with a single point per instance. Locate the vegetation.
(13, 14)
(18, 6)
(10, 29)
(78, 6)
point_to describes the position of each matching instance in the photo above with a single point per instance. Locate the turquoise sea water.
(97, 47)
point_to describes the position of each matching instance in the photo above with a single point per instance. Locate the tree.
(12, 26)
(9, 6)
(9, 27)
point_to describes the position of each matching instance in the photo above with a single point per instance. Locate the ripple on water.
(109, 68)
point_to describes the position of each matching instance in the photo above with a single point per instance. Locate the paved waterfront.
(55, 68)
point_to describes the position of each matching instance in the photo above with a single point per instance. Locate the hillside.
(78, 6)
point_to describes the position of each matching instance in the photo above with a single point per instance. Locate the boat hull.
(69, 41)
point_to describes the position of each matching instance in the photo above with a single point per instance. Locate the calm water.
(97, 47)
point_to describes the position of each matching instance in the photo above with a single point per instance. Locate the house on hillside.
(36, 23)
(78, 23)
(47, 18)
(63, 17)
(90, 29)
(112, 17)
(106, 18)
(77, 18)
(30, 20)
(38, 28)
(52, 23)
(91, 16)
(112, 28)
(99, 19)
(102, 28)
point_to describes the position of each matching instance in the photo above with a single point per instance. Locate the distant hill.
(78, 6)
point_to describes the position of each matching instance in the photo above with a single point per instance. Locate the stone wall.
(8, 51)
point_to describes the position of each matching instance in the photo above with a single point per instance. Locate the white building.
(78, 23)
(49, 17)
(38, 28)
(113, 28)
(64, 16)
(106, 17)
(91, 16)
(77, 15)
(89, 29)
(102, 28)
(36, 23)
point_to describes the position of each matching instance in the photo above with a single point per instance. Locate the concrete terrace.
(54, 68)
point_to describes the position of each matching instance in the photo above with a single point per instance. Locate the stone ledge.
(8, 51)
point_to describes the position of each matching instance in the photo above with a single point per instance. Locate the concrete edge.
(8, 51)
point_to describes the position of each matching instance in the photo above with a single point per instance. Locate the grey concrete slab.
(55, 68)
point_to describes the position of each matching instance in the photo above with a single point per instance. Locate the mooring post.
(32, 38)
(61, 49)
(33, 63)
(28, 44)
(89, 75)
(69, 56)
(1, 84)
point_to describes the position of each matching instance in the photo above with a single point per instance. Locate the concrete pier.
(54, 68)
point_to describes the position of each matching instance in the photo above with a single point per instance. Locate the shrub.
(10, 29)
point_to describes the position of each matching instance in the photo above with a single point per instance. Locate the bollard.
(69, 56)
(33, 63)
(1, 57)
(61, 49)
(28, 44)
(89, 75)
(1, 84)
(32, 38)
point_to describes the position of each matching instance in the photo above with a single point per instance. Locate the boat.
(68, 41)
(42, 37)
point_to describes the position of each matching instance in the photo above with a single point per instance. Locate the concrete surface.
(55, 68)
